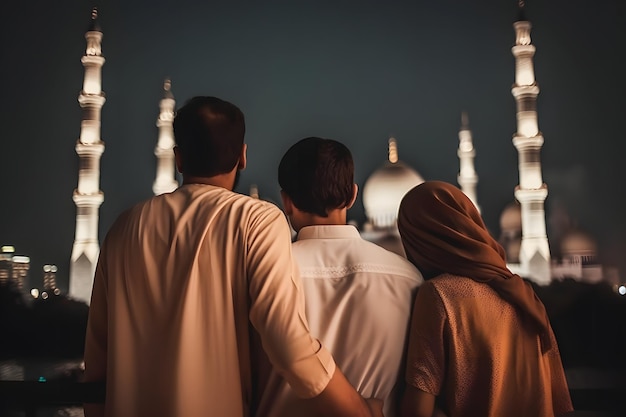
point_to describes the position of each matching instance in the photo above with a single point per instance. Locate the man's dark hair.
(209, 134)
(318, 175)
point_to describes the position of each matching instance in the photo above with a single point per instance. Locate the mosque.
(522, 223)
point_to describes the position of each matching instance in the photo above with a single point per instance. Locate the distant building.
(534, 253)
(14, 268)
(6, 264)
(21, 266)
(89, 147)
(523, 222)
(49, 277)
(165, 180)
(467, 177)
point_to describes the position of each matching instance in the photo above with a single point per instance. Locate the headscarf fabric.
(443, 232)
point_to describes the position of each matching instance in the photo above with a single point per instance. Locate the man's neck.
(222, 180)
(336, 217)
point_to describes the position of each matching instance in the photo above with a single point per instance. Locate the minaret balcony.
(88, 200)
(466, 154)
(523, 50)
(93, 60)
(89, 149)
(531, 90)
(523, 143)
(527, 195)
(467, 179)
(164, 152)
(91, 100)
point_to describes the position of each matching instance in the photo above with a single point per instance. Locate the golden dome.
(577, 242)
(384, 189)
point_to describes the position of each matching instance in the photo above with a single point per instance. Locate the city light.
(621, 290)
(34, 292)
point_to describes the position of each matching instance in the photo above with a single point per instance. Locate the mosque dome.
(578, 243)
(511, 218)
(384, 189)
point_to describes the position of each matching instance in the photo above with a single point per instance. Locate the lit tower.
(254, 191)
(49, 277)
(89, 148)
(531, 191)
(165, 181)
(467, 177)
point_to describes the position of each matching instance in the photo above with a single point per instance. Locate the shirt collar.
(338, 231)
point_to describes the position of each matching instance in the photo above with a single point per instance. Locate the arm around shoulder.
(417, 403)
(277, 313)
(339, 398)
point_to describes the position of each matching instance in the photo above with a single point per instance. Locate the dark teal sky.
(352, 71)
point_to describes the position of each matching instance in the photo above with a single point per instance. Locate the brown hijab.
(443, 232)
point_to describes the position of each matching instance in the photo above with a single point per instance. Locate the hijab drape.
(443, 232)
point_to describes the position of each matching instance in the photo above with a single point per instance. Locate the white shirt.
(358, 303)
(179, 280)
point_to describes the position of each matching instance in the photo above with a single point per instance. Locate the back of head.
(318, 175)
(442, 231)
(209, 134)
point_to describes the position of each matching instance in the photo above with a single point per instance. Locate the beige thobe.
(185, 284)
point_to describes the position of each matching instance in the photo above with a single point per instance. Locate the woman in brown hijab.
(480, 341)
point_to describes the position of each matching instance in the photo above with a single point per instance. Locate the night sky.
(353, 71)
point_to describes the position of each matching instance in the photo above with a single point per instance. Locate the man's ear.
(355, 191)
(287, 203)
(242, 158)
(179, 159)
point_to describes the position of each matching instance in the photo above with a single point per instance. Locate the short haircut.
(209, 133)
(318, 175)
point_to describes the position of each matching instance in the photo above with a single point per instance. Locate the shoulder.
(128, 216)
(260, 211)
(241, 206)
(454, 288)
(259, 219)
(356, 255)
(395, 263)
(450, 280)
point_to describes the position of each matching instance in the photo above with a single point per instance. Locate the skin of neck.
(300, 219)
(225, 180)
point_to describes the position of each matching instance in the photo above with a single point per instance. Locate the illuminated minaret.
(165, 181)
(531, 191)
(89, 148)
(254, 191)
(467, 177)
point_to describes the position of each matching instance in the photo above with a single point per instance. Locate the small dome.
(384, 189)
(578, 243)
(511, 217)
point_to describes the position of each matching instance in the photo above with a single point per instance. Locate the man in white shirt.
(189, 282)
(358, 295)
